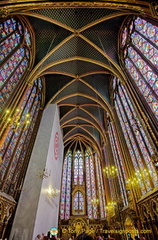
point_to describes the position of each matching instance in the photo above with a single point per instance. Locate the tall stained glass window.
(90, 186)
(139, 146)
(66, 187)
(78, 203)
(15, 44)
(100, 187)
(79, 186)
(78, 168)
(118, 162)
(17, 140)
(140, 54)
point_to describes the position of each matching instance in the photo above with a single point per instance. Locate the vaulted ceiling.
(77, 53)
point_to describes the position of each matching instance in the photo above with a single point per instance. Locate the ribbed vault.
(77, 56)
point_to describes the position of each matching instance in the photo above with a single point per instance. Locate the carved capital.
(7, 205)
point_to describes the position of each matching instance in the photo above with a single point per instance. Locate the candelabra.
(110, 209)
(16, 120)
(111, 205)
(138, 177)
(95, 201)
(110, 171)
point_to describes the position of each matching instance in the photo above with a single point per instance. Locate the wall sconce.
(53, 192)
(111, 205)
(95, 201)
(138, 177)
(20, 120)
(17, 120)
(134, 181)
(110, 208)
(110, 171)
(143, 173)
(43, 174)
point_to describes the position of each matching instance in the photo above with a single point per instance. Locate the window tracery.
(66, 187)
(100, 187)
(84, 166)
(140, 55)
(15, 56)
(118, 162)
(15, 146)
(91, 186)
(137, 141)
(78, 201)
(78, 168)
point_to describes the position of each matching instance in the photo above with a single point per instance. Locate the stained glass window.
(78, 168)
(15, 146)
(66, 187)
(15, 56)
(78, 203)
(140, 50)
(139, 146)
(100, 187)
(91, 186)
(83, 177)
(118, 162)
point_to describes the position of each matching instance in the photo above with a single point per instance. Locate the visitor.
(45, 238)
(109, 237)
(42, 236)
(53, 237)
(136, 238)
(99, 237)
(84, 236)
(39, 236)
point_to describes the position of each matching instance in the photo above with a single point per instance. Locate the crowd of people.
(84, 236)
(136, 238)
